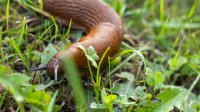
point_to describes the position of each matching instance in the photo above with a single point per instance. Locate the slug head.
(54, 68)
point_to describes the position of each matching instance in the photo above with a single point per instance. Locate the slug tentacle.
(38, 69)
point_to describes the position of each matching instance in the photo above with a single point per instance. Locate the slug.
(103, 24)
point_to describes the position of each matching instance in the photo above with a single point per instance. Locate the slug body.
(104, 27)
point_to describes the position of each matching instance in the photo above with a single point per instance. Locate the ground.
(156, 69)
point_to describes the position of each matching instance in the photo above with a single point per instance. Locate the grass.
(156, 69)
(7, 13)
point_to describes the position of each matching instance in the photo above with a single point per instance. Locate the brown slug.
(104, 27)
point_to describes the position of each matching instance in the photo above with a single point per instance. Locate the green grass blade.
(178, 52)
(66, 36)
(98, 77)
(161, 10)
(41, 4)
(172, 51)
(17, 49)
(75, 81)
(1, 37)
(22, 32)
(196, 46)
(3, 98)
(162, 30)
(109, 70)
(2, 55)
(153, 8)
(175, 43)
(56, 27)
(53, 100)
(134, 53)
(194, 82)
(21, 106)
(1, 48)
(101, 60)
(45, 32)
(193, 9)
(7, 14)
(31, 6)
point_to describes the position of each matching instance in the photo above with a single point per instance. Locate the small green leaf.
(48, 53)
(92, 53)
(107, 99)
(176, 63)
(125, 87)
(126, 75)
(82, 48)
(139, 93)
(18, 85)
(41, 87)
(124, 100)
(93, 62)
(170, 98)
(95, 106)
(155, 79)
(115, 61)
(13, 83)
(103, 94)
(110, 99)
(150, 77)
(5, 70)
(24, 79)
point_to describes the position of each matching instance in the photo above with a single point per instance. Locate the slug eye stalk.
(39, 69)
